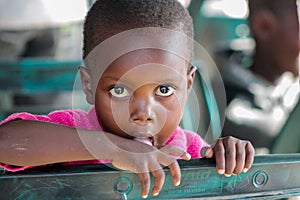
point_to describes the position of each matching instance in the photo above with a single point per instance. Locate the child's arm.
(232, 155)
(32, 143)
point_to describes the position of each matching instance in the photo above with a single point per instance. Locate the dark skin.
(143, 96)
(277, 40)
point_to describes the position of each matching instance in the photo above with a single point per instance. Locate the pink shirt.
(186, 140)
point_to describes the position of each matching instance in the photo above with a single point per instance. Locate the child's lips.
(145, 140)
(142, 123)
(146, 130)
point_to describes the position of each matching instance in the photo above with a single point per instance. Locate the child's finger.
(249, 156)
(240, 157)
(145, 181)
(207, 152)
(185, 156)
(175, 151)
(159, 179)
(230, 156)
(175, 172)
(219, 153)
(173, 165)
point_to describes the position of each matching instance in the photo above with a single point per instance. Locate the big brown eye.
(164, 91)
(119, 92)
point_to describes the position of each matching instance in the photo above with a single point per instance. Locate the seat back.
(288, 139)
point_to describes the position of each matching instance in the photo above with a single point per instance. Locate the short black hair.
(110, 17)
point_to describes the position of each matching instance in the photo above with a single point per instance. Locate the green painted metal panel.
(38, 75)
(271, 176)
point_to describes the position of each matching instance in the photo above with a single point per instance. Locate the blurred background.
(40, 51)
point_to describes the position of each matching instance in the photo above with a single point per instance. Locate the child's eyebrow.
(110, 78)
(113, 80)
(116, 80)
(173, 79)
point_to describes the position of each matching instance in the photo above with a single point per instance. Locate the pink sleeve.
(64, 117)
(195, 144)
(22, 116)
(11, 168)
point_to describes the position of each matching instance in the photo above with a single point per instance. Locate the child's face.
(142, 95)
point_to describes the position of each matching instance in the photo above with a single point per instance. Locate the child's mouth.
(145, 140)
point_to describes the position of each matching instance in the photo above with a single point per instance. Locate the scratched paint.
(91, 183)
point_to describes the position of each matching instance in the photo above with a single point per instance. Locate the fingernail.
(208, 152)
(221, 171)
(178, 183)
(227, 175)
(188, 156)
(155, 194)
(245, 170)
(144, 196)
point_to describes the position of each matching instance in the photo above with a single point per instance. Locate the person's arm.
(24, 142)
(32, 143)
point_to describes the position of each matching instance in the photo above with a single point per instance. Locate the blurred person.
(261, 97)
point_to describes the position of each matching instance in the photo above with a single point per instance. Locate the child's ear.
(190, 77)
(86, 82)
(263, 24)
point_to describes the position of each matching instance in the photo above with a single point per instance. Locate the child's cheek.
(176, 103)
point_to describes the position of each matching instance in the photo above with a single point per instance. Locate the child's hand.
(232, 155)
(142, 159)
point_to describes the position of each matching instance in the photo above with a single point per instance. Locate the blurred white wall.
(29, 14)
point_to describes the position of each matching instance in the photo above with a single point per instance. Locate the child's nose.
(141, 108)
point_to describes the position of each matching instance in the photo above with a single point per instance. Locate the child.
(138, 98)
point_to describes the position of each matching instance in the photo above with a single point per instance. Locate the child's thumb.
(207, 152)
